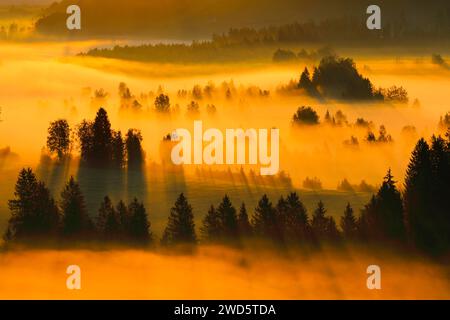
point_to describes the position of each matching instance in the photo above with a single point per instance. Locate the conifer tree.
(135, 154)
(118, 150)
(123, 217)
(349, 224)
(244, 226)
(332, 233)
(306, 84)
(368, 222)
(296, 222)
(102, 139)
(228, 219)
(75, 219)
(264, 220)
(139, 225)
(180, 228)
(211, 226)
(417, 196)
(86, 141)
(440, 208)
(281, 212)
(34, 213)
(324, 227)
(390, 210)
(319, 222)
(108, 225)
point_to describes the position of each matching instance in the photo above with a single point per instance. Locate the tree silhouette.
(139, 227)
(324, 227)
(305, 116)
(426, 195)
(390, 209)
(349, 223)
(440, 187)
(102, 139)
(417, 196)
(34, 213)
(319, 221)
(86, 141)
(383, 217)
(124, 219)
(339, 78)
(135, 153)
(296, 223)
(108, 226)
(332, 232)
(118, 150)
(180, 228)
(283, 55)
(58, 139)
(306, 84)
(75, 219)
(228, 219)
(162, 103)
(211, 226)
(264, 220)
(244, 226)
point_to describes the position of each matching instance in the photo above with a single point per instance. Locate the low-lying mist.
(43, 82)
(219, 273)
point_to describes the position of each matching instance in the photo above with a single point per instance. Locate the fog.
(42, 82)
(219, 273)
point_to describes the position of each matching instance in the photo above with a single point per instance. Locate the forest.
(416, 217)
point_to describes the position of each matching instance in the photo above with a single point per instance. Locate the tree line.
(419, 216)
(233, 44)
(98, 143)
(36, 216)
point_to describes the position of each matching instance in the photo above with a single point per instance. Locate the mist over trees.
(415, 216)
(98, 143)
(36, 218)
(338, 78)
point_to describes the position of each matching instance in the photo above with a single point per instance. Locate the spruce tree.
(390, 210)
(75, 219)
(211, 226)
(319, 222)
(123, 216)
(108, 225)
(139, 225)
(228, 219)
(306, 84)
(244, 226)
(118, 150)
(264, 220)
(296, 222)
(324, 227)
(348, 223)
(102, 139)
(85, 137)
(332, 233)
(34, 213)
(440, 186)
(418, 195)
(135, 154)
(281, 210)
(180, 228)
(368, 222)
